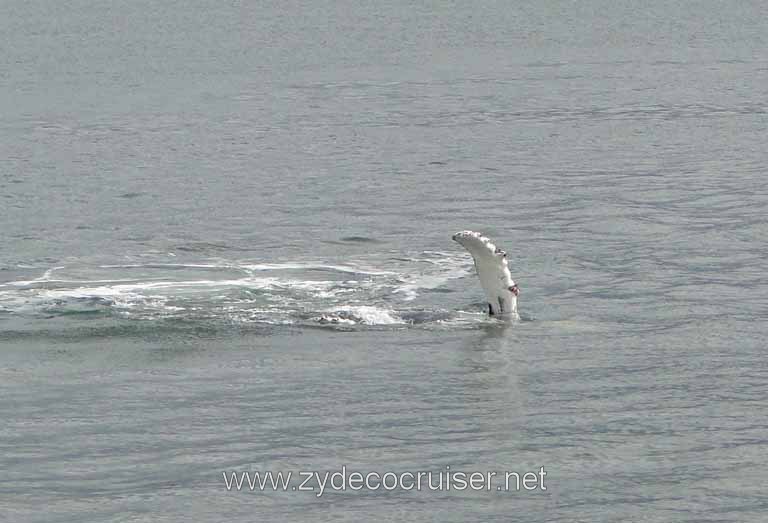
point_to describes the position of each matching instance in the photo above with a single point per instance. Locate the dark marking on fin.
(490, 310)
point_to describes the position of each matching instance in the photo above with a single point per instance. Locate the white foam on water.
(364, 314)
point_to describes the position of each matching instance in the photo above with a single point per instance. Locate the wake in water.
(412, 291)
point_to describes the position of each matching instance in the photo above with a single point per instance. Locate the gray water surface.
(225, 246)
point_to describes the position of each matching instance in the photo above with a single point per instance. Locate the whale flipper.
(501, 291)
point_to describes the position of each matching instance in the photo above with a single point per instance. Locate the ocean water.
(225, 246)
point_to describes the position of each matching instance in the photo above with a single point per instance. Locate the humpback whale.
(495, 278)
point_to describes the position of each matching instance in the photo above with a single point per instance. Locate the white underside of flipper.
(495, 278)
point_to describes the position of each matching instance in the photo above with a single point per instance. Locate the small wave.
(253, 267)
(317, 267)
(167, 266)
(46, 277)
(359, 239)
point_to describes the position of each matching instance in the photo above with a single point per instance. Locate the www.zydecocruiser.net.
(344, 480)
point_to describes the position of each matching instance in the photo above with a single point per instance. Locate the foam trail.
(216, 290)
